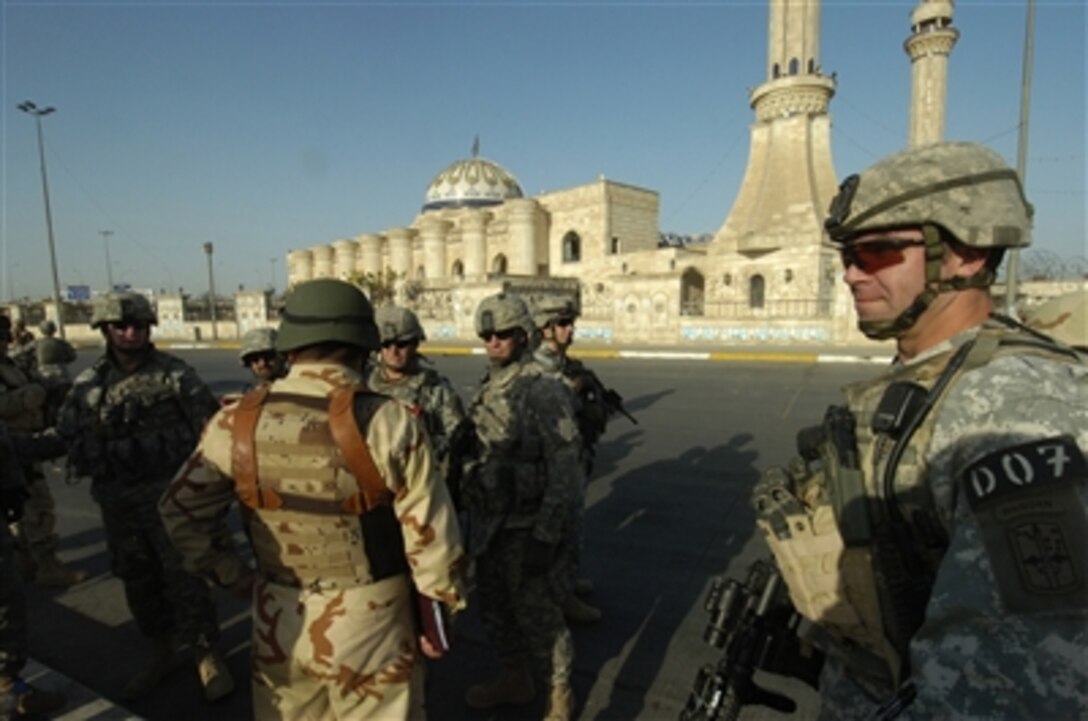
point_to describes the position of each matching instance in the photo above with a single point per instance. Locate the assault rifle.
(614, 402)
(755, 625)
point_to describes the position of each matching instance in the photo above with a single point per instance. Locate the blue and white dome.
(471, 183)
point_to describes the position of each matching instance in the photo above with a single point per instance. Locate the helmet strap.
(884, 329)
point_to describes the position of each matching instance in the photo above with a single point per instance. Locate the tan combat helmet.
(550, 308)
(504, 311)
(1064, 318)
(962, 189)
(398, 324)
(256, 341)
(121, 308)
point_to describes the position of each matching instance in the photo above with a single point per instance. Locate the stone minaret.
(790, 179)
(930, 44)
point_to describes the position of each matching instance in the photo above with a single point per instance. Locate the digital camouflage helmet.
(123, 307)
(47, 327)
(398, 324)
(550, 308)
(503, 311)
(327, 311)
(256, 341)
(963, 190)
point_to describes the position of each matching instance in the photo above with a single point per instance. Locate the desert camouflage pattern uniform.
(522, 487)
(1005, 630)
(130, 432)
(13, 647)
(329, 641)
(431, 397)
(22, 404)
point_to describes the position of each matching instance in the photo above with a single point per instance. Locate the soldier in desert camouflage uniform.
(129, 422)
(519, 494)
(333, 629)
(430, 395)
(22, 408)
(941, 547)
(555, 317)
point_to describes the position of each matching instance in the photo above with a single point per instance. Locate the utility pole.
(38, 113)
(109, 266)
(1013, 270)
(211, 291)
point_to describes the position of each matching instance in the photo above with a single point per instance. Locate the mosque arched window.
(498, 265)
(421, 272)
(572, 247)
(776, 71)
(811, 66)
(615, 245)
(692, 292)
(755, 291)
(795, 66)
(458, 269)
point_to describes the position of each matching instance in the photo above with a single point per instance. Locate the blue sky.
(267, 126)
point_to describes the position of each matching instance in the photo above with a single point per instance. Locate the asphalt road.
(667, 510)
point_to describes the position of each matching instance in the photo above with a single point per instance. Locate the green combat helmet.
(47, 327)
(550, 308)
(257, 341)
(503, 311)
(1064, 318)
(121, 308)
(398, 324)
(963, 189)
(327, 311)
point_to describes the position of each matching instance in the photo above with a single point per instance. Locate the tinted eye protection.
(501, 335)
(402, 344)
(874, 255)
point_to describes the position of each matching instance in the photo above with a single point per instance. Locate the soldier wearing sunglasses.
(519, 493)
(934, 529)
(430, 395)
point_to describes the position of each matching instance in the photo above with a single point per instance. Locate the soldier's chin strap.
(935, 285)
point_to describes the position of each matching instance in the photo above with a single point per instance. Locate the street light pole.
(109, 266)
(272, 276)
(1012, 272)
(38, 113)
(211, 290)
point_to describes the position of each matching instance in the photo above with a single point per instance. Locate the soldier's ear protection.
(900, 404)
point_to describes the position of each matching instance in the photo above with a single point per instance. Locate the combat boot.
(214, 675)
(31, 701)
(163, 661)
(576, 610)
(560, 703)
(52, 573)
(513, 686)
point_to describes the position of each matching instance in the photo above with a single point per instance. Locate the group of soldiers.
(933, 530)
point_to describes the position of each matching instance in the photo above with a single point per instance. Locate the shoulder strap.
(243, 454)
(347, 418)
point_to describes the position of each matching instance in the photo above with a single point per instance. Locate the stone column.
(400, 251)
(344, 252)
(322, 255)
(521, 226)
(300, 267)
(474, 242)
(433, 231)
(369, 259)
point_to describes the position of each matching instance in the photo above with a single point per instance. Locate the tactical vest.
(853, 524)
(308, 527)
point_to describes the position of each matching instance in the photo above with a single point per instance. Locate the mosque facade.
(766, 276)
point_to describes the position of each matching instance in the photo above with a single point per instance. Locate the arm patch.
(1027, 501)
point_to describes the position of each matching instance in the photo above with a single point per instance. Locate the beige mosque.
(764, 277)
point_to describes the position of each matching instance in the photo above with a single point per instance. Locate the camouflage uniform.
(52, 356)
(948, 562)
(519, 495)
(333, 635)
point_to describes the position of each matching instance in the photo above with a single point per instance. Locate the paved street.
(667, 509)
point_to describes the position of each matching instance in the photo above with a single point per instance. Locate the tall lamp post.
(211, 290)
(109, 266)
(38, 113)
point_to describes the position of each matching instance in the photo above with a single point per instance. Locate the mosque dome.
(471, 183)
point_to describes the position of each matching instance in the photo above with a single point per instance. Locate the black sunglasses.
(126, 324)
(501, 335)
(874, 255)
(563, 322)
(402, 344)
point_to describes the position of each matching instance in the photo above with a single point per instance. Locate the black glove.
(538, 557)
(11, 503)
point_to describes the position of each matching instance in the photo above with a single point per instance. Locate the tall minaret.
(790, 179)
(930, 44)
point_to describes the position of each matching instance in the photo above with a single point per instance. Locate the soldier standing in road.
(345, 513)
(519, 494)
(941, 548)
(18, 699)
(22, 403)
(555, 318)
(52, 358)
(258, 353)
(430, 395)
(129, 422)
